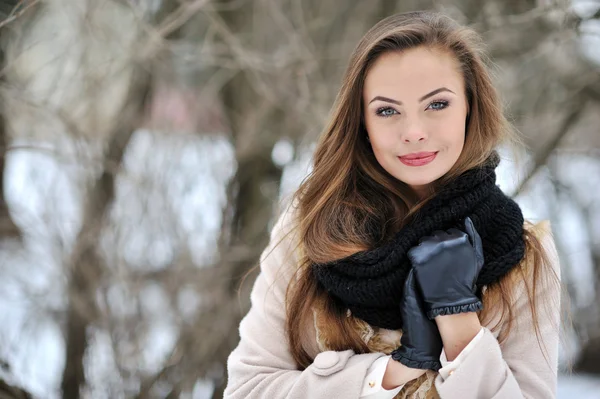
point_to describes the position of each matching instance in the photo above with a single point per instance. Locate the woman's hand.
(421, 343)
(446, 267)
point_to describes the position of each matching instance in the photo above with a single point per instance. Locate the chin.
(417, 182)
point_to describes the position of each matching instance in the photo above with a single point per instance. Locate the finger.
(409, 283)
(416, 254)
(421, 253)
(472, 232)
(429, 240)
(470, 229)
(436, 236)
(439, 233)
(474, 237)
(453, 232)
(412, 291)
(424, 239)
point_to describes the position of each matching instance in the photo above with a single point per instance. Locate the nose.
(413, 133)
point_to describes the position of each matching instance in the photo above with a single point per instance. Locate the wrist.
(397, 374)
(457, 331)
(470, 305)
(448, 322)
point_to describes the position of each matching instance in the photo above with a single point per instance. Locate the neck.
(422, 192)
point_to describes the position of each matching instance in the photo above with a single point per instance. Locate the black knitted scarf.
(369, 283)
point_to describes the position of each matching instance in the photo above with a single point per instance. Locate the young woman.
(401, 270)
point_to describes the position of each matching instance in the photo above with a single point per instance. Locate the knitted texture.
(369, 283)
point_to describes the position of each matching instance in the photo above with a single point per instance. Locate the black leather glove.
(446, 266)
(421, 343)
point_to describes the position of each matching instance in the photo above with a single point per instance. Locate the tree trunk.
(86, 265)
(588, 362)
(8, 229)
(590, 352)
(10, 392)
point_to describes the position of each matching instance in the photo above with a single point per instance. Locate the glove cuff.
(448, 310)
(434, 365)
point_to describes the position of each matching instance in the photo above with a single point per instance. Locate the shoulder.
(280, 259)
(286, 219)
(536, 278)
(542, 233)
(284, 237)
(542, 230)
(538, 274)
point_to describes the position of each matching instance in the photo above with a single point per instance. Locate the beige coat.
(262, 367)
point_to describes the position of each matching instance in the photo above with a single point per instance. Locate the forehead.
(413, 73)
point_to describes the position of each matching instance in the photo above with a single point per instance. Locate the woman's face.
(415, 114)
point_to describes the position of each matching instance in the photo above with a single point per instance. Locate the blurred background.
(147, 146)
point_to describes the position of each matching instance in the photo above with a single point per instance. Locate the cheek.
(456, 141)
(380, 136)
(453, 138)
(459, 140)
(383, 145)
(380, 141)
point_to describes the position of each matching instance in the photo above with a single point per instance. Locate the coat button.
(326, 360)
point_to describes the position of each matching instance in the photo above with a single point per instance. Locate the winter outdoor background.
(149, 143)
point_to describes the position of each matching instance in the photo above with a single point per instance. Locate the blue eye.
(438, 105)
(386, 112)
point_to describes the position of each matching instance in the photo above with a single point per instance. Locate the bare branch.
(541, 158)
(19, 10)
(11, 392)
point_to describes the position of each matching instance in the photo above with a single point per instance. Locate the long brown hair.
(350, 203)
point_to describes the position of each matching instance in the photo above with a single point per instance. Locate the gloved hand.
(421, 343)
(446, 266)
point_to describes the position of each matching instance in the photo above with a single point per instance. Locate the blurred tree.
(252, 73)
(8, 10)
(9, 392)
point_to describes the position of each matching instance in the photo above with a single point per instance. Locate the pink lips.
(418, 158)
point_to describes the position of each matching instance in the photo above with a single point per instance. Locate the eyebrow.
(425, 97)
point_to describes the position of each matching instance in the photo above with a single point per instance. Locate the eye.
(386, 112)
(438, 105)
